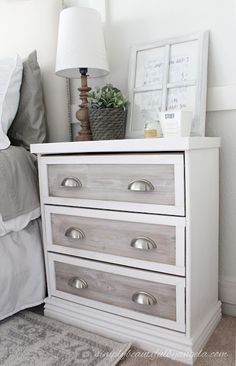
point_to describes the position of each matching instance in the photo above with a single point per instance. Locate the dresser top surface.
(127, 145)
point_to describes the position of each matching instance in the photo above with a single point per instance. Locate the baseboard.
(208, 326)
(229, 309)
(166, 343)
(227, 289)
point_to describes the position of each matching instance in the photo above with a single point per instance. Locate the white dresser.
(131, 239)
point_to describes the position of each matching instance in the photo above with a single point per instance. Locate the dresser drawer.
(152, 183)
(150, 242)
(149, 297)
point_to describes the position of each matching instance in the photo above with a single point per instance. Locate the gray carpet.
(219, 351)
(29, 339)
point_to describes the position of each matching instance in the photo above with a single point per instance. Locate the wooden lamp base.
(82, 114)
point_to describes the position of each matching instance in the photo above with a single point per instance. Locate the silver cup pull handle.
(144, 298)
(74, 233)
(71, 182)
(143, 243)
(77, 282)
(141, 185)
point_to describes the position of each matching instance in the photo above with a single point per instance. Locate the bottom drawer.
(142, 295)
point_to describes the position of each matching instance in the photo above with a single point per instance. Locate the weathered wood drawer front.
(120, 290)
(146, 241)
(146, 183)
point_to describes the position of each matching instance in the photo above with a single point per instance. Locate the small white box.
(176, 123)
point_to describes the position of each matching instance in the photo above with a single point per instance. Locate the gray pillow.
(29, 125)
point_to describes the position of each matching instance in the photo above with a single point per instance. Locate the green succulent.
(107, 97)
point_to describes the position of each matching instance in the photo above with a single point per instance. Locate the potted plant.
(107, 113)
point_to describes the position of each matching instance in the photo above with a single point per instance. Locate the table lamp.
(81, 53)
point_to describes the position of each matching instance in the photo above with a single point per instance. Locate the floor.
(219, 351)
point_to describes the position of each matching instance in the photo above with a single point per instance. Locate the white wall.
(223, 124)
(137, 21)
(26, 25)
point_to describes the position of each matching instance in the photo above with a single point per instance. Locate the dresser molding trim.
(178, 208)
(116, 206)
(127, 145)
(174, 345)
(179, 282)
(177, 222)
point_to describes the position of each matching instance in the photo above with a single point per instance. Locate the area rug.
(31, 339)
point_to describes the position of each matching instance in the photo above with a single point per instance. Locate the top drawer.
(152, 183)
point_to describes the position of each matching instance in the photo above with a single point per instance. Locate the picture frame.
(169, 74)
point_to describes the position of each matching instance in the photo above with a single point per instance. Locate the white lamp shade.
(80, 43)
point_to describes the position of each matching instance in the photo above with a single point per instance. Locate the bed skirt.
(22, 274)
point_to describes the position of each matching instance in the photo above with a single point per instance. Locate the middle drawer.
(145, 241)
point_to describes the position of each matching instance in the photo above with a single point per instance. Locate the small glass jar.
(151, 129)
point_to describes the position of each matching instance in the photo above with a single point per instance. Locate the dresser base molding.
(165, 342)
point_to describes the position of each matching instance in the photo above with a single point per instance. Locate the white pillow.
(10, 83)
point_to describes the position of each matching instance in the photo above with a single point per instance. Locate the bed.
(22, 281)
(22, 273)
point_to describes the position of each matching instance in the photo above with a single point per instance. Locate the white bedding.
(22, 279)
(10, 82)
(18, 223)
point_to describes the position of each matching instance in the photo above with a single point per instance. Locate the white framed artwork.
(165, 75)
